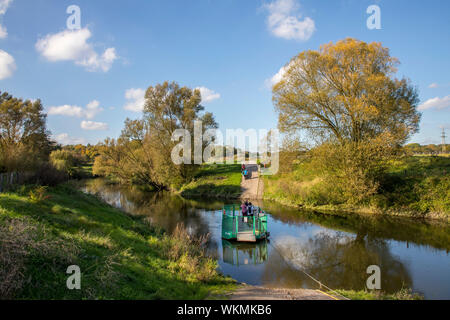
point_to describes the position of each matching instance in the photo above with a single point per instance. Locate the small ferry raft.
(244, 228)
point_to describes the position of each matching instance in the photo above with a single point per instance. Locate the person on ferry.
(244, 209)
(250, 209)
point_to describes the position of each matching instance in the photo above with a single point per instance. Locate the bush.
(335, 174)
(39, 194)
(353, 170)
(47, 175)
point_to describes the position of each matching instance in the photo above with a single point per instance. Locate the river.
(334, 249)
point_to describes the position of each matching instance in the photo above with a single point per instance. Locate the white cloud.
(65, 139)
(66, 110)
(3, 32)
(94, 126)
(284, 21)
(4, 4)
(7, 65)
(435, 85)
(136, 100)
(436, 103)
(277, 77)
(91, 110)
(208, 95)
(72, 45)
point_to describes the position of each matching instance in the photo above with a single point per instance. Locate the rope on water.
(321, 285)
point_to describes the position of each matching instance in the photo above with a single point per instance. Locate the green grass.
(412, 186)
(121, 257)
(419, 185)
(378, 295)
(215, 180)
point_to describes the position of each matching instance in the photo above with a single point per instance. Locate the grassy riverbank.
(412, 186)
(404, 294)
(121, 257)
(215, 180)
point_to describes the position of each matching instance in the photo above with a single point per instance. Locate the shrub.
(38, 194)
(21, 242)
(47, 175)
(353, 170)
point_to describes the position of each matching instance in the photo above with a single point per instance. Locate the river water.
(334, 249)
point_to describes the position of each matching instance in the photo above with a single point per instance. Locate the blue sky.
(90, 80)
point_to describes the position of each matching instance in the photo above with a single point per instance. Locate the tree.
(413, 148)
(142, 154)
(346, 97)
(24, 139)
(346, 92)
(169, 107)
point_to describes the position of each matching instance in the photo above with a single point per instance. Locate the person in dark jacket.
(250, 209)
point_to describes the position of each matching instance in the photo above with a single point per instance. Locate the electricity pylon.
(443, 140)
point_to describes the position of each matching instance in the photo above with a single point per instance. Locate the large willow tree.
(347, 92)
(346, 96)
(142, 153)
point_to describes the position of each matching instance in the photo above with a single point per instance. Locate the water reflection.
(333, 249)
(342, 260)
(161, 209)
(421, 232)
(239, 253)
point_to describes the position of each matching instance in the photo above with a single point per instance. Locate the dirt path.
(251, 185)
(260, 293)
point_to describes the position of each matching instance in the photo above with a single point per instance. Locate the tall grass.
(189, 253)
(22, 241)
(403, 294)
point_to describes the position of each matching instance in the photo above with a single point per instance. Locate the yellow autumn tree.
(346, 96)
(347, 92)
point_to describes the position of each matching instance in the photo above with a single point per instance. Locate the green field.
(215, 180)
(120, 256)
(412, 186)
